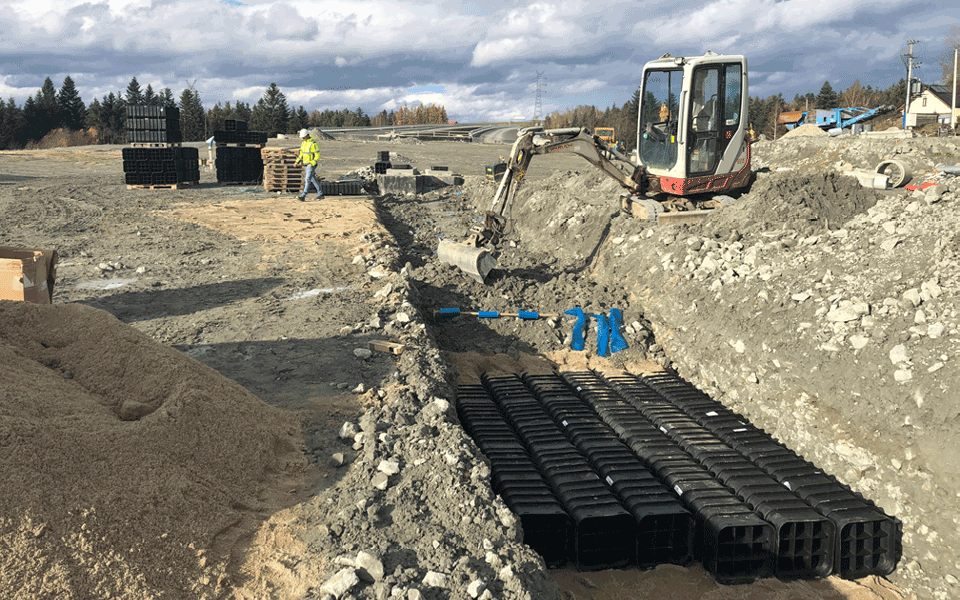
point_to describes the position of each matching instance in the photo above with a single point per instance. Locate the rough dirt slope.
(824, 313)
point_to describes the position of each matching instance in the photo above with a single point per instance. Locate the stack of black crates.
(238, 153)
(383, 162)
(161, 166)
(157, 158)
(148, 124)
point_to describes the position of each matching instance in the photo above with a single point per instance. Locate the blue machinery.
(834, 117)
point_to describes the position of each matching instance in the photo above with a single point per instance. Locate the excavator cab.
(691, 125)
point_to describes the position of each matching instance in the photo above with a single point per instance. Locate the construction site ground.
(204, 412)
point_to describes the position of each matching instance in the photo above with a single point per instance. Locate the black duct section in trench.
(628, 470)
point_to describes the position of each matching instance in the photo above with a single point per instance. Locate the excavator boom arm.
(579, 141)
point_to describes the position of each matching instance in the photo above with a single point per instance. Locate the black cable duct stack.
(383, 162)
(149, 124)
(238, 153)
(732, 541)
(160, 166)
(611, 470)
(157, 158)
(867, 541)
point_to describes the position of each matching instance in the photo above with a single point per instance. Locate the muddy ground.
(823, 311)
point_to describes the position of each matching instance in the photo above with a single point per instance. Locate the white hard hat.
(304, 133)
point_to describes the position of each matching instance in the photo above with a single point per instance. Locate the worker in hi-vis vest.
(309, 153)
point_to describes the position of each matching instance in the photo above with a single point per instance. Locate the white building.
(931, 106)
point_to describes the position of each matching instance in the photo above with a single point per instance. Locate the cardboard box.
(27, 274)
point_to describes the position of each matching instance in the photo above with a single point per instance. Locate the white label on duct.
(786, 484)
(564, 422)
(739, 430)
(712, 413)
(609, 481)
(677, 489)
(663, 429)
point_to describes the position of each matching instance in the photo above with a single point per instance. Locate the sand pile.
(128, 470)
(805, 130)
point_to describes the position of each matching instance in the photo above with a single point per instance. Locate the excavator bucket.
(475, 262)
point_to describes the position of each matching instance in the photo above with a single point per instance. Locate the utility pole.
(909, 57)
(538, 105)
(953, 103)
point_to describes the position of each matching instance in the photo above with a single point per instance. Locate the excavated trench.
(621, 463)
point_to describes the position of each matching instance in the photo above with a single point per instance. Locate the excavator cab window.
(705, 121)
(733, 86)
(658, 119)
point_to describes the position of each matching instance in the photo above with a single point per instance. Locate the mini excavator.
(692, 145)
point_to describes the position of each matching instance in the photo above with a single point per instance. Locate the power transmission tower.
(538, 106)
(908, 60)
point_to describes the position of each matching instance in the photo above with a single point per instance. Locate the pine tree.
(110, 120)
(150, 97)
(94, 120)
(827, 98)
(192, 116)
(31, 120)
(241, 111)
(360, 118)
(299, 119)
(381, 120)
(134, 95)
(12, 127)
(71, 107)
(271, 113)
(166, 98)
(48, 111)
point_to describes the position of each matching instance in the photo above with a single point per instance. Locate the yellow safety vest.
(309, 152)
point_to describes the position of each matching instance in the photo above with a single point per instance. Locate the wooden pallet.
(156, 144)
(238, 183)
(282, 189)
(279, 152)
(162, 186)
(282, 177)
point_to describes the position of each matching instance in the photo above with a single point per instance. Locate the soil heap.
(126, 467)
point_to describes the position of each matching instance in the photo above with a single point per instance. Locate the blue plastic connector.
(617, 343)
(488, 314)
(603, 335)
(577, 343)
(526, 314)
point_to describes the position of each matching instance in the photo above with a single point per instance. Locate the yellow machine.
(605, 134)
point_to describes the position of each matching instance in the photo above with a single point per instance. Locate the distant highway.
(484, 133)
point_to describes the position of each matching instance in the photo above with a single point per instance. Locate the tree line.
(764, 112)
(104, 120)
(63, 113)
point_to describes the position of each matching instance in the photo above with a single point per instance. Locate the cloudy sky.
(477, 58)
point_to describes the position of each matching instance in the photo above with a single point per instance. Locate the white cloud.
(7, 91)
(483, 55)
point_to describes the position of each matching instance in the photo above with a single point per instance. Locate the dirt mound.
(806, 130)
(808, 203)
(128, 469)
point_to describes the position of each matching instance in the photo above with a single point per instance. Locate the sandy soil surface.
(334, 470)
